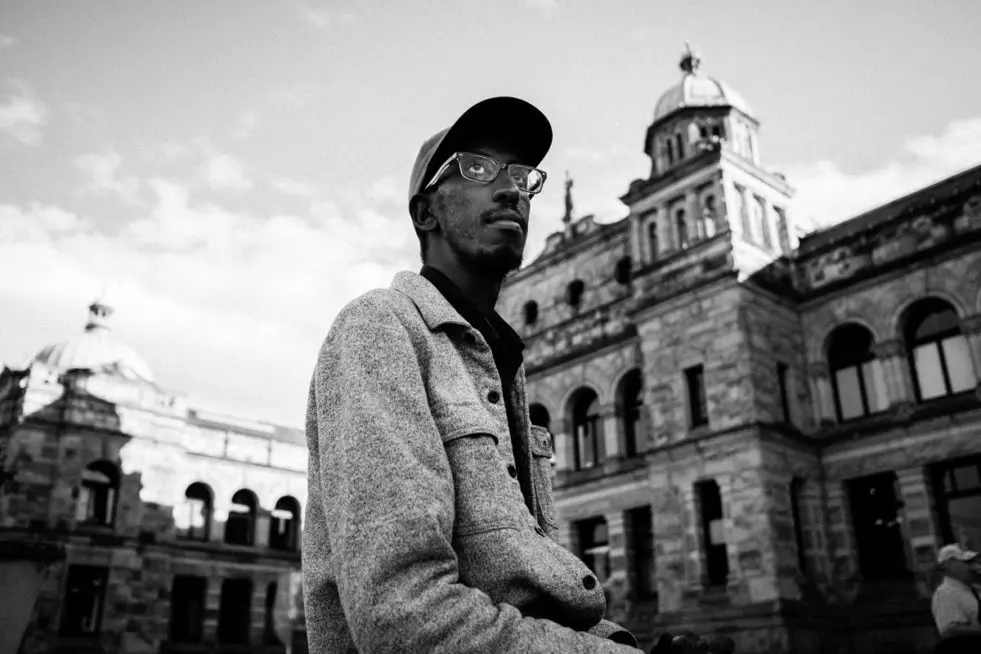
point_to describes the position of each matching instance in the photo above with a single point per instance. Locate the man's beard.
(495, 264)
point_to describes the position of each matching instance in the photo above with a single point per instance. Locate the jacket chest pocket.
(541, 454)
(481, 482)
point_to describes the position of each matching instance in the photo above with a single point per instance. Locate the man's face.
(960, 570)
(484, 225)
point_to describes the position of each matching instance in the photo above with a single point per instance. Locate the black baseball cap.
(506, 120)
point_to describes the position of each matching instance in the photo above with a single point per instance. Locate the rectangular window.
(764, 224)
(187, 604)
(594, 547)
(783, 373)
(878, 534)
(235, 611)
(642, 552)
(697, 406)
(85, 595)
(742, 211)
(957, 355)
(957, 488)
(713, 533)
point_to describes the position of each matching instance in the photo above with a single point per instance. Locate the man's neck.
(479, 289)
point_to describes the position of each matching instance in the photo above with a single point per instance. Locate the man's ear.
(423, 218)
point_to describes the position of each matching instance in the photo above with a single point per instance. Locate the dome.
(97, 349)
(695, 90)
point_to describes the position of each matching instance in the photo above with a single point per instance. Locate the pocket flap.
(541, 441)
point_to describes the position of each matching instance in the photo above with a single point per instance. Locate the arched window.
(629, 402)
(622, 271)
(284, 525)
(240, 527)
(195, 521)
(574, 293)
(855, 376)
(682, 225)
(531, 312)
(680, 143)
(586, 428)
(98, 494)
(939, 353)
(669, 147)
(708, 215)
(652, 238)
(539, 416)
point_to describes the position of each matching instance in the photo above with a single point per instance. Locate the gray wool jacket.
(416, 537)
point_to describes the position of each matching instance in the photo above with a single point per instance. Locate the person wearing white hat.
(956, 604)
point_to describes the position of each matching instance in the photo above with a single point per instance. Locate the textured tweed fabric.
(417, 537)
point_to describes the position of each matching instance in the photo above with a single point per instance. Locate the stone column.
(565, 453)
(972, 330)
(694, 545)
(745, 210)
(895, 371)
(219, 516)
(821, 391)
(920, 530)
(841, 541)
(611, 431)
(261, 535)
(721, 206)
(636, 240)
(693, 214)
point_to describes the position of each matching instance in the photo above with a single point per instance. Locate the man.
(956, 603)
(430, 520)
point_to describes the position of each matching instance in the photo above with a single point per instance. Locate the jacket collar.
(435, 309)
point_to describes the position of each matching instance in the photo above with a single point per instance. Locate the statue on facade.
(567, 218)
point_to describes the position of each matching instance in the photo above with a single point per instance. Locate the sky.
(231, 173)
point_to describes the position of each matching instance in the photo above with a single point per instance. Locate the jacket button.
(493, 397)
(512, 470)
(589, 582)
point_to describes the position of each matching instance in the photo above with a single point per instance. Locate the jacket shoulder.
(377, 310)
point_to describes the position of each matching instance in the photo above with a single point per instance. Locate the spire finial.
(690, 60)
(99, 311)
(567, 218)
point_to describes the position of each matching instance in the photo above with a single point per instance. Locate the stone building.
(180, 526)
(758, 434)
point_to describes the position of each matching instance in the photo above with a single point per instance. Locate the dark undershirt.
(507, 348)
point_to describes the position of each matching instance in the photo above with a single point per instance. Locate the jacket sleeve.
(388, 497)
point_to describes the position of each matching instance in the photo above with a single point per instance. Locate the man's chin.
(498, 264)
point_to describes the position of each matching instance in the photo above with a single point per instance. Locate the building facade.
(180, 527)
(757, 434)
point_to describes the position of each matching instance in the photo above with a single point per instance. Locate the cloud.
(225, 172)
(827, 194)
(211, 296)
(22, 115)
(323, 19)
(545, 6)
(104, 176)
(7, 41)
(290, 186)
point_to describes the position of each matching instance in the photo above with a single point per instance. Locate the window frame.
(698, 414)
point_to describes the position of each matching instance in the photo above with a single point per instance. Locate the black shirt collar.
(494, 328)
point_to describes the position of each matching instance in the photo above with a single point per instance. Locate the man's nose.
(505, 190)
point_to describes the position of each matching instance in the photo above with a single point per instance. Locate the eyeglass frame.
(501, 166)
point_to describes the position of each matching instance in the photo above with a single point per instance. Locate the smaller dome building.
(96, 348)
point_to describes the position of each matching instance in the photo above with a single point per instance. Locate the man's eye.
(477, 168)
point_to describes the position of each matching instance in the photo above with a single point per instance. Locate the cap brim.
(509, 122)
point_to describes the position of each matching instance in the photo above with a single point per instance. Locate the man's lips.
(510, 221)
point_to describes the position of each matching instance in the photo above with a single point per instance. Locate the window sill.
(606, 468)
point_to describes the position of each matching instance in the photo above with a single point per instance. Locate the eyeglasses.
(484, 170)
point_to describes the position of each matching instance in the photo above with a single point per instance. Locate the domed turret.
(97, 348)
(696, 90)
